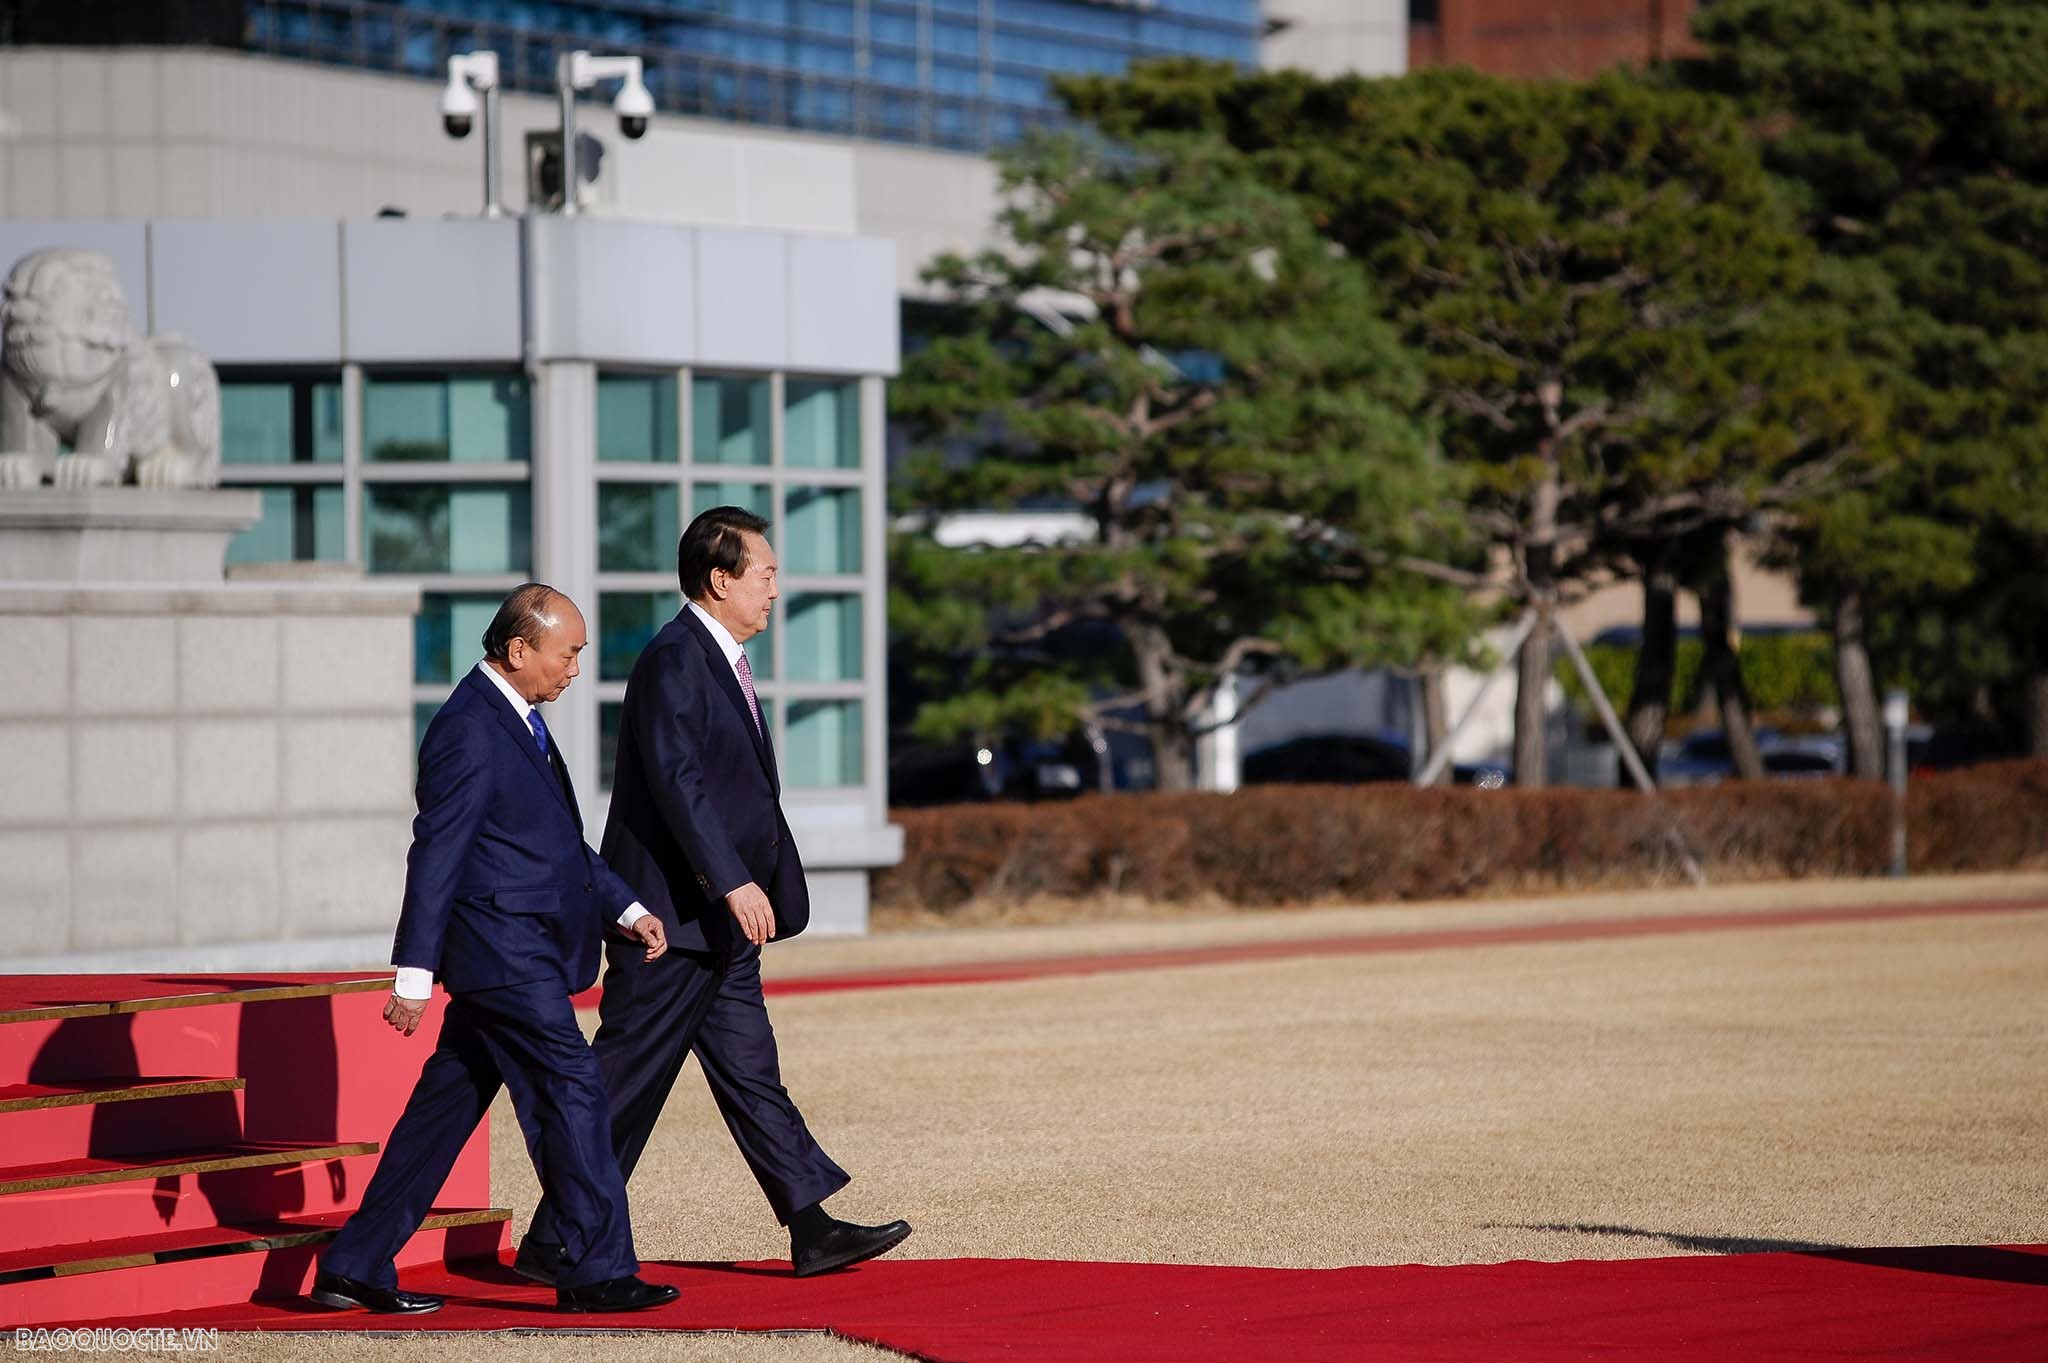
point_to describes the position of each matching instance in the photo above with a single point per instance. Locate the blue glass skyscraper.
(969, 74)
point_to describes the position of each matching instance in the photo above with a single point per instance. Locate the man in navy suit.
(696, 825)
(507, 904)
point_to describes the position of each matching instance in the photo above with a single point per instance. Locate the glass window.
(822, 746)
(423, 712)
(448, 634)
(821, 424)
(824, 637)
(288, 419)
(625, 622)
(760, 652)
(463, 418)
(636, 527)
(822, 532)
(754, 497)
(299, 523)
(433, 528)
(610, 715)
(636, 418)
(729, 420)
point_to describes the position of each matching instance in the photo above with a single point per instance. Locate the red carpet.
(1934, 1305)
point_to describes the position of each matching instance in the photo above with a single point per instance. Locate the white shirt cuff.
(633, 914)
(413, 982)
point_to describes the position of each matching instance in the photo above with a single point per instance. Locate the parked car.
(1704, 758)
(1018, 769)
(1335, 759)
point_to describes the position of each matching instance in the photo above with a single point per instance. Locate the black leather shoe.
(538, 1261)
(618, 1294)
(842, 1243)
(331, 1289)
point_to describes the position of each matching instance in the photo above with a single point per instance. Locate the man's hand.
(755, 914)
(650, 931)
(404, 1014)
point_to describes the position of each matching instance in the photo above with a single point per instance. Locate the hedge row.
(1272, 845)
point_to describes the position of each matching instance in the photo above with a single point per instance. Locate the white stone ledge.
(362, 951)
(215, 598)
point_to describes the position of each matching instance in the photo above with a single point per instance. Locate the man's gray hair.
(530, 611)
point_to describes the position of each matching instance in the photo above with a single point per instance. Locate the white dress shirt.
(417, 982)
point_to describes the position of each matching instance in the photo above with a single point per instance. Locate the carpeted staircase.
(171, 1143)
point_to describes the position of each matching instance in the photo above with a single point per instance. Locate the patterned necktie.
(540, 730)
(746, 675)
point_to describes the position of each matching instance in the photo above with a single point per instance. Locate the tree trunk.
(1173, 753)
(1436, 720)
(2037, 712)
(1532, 728)
(1532, 678)
(1649, 700)
(1723, 666)
(1858, 686)
(1173, 747)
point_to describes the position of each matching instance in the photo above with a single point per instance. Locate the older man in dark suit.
(696, 826)
(507, 904)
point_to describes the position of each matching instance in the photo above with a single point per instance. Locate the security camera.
(458, 106)
(634, 106)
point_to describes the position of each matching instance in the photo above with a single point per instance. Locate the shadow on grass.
(1987, 1262)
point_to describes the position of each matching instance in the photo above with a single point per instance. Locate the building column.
(565, 545)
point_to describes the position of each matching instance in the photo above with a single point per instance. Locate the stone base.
(120, 534)
(203, 765)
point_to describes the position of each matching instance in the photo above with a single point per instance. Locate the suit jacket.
(696, 803)
(500, 887)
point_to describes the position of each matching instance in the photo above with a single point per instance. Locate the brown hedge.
(1294, 844)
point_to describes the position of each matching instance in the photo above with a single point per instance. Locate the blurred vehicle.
(1704, 759)
(1019, 769)
(1351, 759)
(1329, 759)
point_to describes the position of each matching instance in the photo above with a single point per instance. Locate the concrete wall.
(196, 766)
(1337, 37)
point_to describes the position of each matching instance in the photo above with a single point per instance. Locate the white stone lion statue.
(86, 400)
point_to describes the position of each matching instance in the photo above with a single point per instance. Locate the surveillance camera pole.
(480, 71)
(566, 88)
(579, 70)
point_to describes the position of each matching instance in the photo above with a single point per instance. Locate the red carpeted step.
(206, 1242)
(180, 1270)
(117, 1196)
(95, 1169)
(58, 1120)
(51, 998)
(88, 1092)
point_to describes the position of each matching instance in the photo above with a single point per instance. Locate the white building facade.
(463, 405)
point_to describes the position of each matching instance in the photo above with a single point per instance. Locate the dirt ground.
(1860, 1083)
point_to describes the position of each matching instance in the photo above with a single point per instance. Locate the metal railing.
(385, 37)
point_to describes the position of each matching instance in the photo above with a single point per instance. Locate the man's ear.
(515, 653)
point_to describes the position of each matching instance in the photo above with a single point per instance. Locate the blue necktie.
(540, 730)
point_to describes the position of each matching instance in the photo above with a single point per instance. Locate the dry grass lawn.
(1847, 1084)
